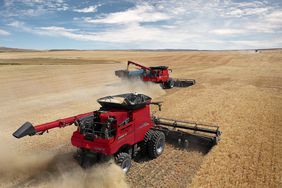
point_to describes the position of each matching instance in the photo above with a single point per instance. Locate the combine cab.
(158, 74)
(122, 127)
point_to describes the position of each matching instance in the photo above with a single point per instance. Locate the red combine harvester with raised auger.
(123, 127)
(158, 74)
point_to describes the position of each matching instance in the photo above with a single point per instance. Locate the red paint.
(60, 122)
(137, 65)
(157, 75)
(130, 133)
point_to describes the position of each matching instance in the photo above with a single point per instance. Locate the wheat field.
(241, 91)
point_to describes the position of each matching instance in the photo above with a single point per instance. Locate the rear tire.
(156, 144)
(85, 158)
(147, 138)
(124, 161)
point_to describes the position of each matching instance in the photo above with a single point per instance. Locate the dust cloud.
(105, 175)
(15, 165)
(88, 95)
(54, 169)
(125, 86)
(151, 89)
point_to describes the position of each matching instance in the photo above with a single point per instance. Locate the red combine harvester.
(123, 127)
(158, 74)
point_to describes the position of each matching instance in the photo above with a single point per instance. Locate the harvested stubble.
(240, 91)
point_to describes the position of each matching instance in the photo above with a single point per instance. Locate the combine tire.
(146, 141)
(124, 161)
(168, 85)
(148, 136)
(156, 144)
(85, 158)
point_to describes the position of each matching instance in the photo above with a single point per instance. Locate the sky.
(147, 24)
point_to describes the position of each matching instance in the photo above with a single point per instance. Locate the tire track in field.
(174, 168)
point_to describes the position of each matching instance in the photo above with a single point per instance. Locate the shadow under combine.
(185, 142)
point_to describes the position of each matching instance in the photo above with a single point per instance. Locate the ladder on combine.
(189, 129)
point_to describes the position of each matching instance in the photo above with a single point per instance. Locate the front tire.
(170, 83)
(156, 144)
(124, 161)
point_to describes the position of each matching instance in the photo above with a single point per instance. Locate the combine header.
(122, 127)
(158, 74)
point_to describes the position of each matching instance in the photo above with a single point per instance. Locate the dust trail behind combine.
(54, 168)
(102, 175)
(15, 165)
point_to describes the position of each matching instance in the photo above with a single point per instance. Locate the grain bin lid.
(128, 101)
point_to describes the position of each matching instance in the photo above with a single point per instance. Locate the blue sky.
(152, 24)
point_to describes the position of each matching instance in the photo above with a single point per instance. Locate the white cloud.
(123, 35)
(255, 8)
(4, 33)
(131, 34)
(239, 12)
(141, 13)
(57, 31)
(90, 9)
(20, 26)
(29, 8)
(17, 24)
(274, 17)
(269, 23)
(228, 31)
(207, 24)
